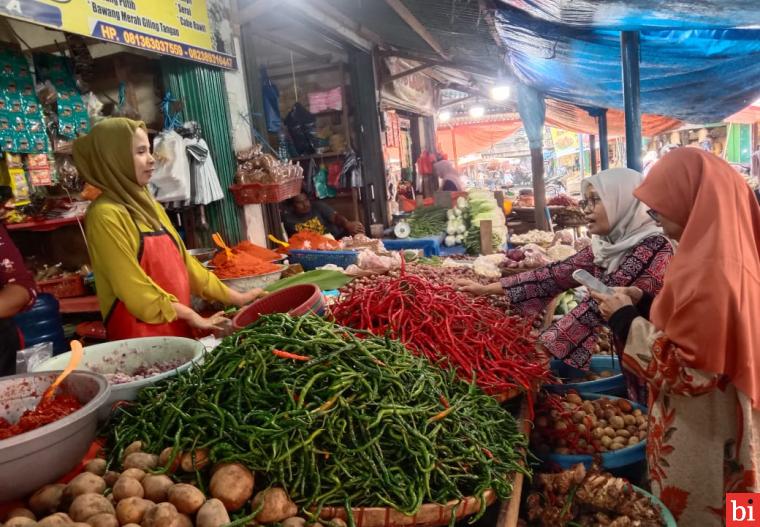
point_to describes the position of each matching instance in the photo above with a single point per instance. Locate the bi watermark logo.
(742, 510)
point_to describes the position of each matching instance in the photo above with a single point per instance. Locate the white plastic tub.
(128, 355)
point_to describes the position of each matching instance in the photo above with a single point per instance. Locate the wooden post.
(486, 237)
(539, 188)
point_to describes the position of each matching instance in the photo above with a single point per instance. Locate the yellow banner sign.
(180, 28)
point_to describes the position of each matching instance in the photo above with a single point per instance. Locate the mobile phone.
(583, 277)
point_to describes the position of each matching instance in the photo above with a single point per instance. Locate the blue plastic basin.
(614, 385)
(610, 460)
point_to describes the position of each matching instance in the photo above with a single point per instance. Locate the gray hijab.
(628, 217)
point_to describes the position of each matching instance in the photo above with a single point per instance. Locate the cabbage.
(450, 241)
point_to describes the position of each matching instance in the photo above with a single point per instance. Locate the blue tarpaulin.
(697, 75)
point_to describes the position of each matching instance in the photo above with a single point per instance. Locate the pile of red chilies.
(445, 325)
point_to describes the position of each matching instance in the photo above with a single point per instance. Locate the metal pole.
(604, 145)
(629, 49)
(592, 145)
(581, 156)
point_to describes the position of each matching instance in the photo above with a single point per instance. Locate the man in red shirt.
(16, 289)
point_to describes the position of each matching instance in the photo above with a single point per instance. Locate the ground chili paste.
(46, 412)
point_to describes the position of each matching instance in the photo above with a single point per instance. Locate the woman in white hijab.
(627, 250)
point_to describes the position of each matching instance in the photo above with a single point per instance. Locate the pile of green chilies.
(427, 221)
(333, 415)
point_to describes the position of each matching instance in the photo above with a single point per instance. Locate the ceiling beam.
(465, 66)
(254, 10)
(412, 21)
(325, 16)
(406, 73)
(292, 46)
(454, 102)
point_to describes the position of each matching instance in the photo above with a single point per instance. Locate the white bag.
(171, 177)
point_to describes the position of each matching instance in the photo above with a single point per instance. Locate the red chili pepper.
(288, 355)
(444, 401)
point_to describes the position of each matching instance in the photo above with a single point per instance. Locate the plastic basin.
(613, 385)
(32, 459)
(667, 516)
(297, 300)
(246, 283)
(610, 460)
(311, 260)
(126, 356)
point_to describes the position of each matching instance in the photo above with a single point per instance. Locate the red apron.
(161, 260)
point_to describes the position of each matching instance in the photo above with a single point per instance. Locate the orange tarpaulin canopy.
(459, 140)
(749, 115)
(568, 117)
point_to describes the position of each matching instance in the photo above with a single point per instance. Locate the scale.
(401, 228)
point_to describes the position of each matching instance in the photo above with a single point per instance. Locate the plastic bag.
(27, 359)
(171, 177)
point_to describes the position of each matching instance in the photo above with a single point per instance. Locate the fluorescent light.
(500, 93)
(444, 116)
(477, 111)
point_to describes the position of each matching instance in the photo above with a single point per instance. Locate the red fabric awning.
(749, 115)
(459, 140)
(568, 117)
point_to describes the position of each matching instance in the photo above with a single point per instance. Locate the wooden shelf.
(328, 112)
(43, 225)
(81, 304)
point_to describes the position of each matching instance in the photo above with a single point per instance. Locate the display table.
(453, 251)
(431, 246)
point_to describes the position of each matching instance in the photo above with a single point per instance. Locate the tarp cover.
(573, 54)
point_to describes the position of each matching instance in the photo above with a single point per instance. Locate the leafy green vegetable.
(325, 280)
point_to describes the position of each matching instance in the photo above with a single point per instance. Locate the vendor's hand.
(609, 304)
(354, 227)
(634, 293)
(470, 287)
(216, 323)
(242, 299)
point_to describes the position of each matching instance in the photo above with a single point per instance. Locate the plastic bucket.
(297, 300)
(667, 516)
(613, 385)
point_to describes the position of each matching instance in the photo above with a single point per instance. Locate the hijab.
(709, 305)
(627, 216)
(104, 159)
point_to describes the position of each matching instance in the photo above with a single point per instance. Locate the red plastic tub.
(295, 301)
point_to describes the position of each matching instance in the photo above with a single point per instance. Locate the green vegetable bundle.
(472, 240)
(333, 415)
(428, 221)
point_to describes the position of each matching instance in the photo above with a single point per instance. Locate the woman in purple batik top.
(627, 250)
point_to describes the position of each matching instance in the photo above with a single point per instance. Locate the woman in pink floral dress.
(699, 352)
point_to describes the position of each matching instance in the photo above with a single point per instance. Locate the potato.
(54, 520)
(79, 524)
(20, 521)
(629, 419)
(233, 485)
(165, 456)
(88, 505)
(616, 445)
(295, 521)
(135, 446)
(162, 515)
(110, 477)
(21, 513)
(84, 483)
(625, 434)
(610, 432)
(183, 520)
(135, 473)
(606, 441)
(132, 510)
(47, 499)
(212, 514)
(127, 487)
(574, 398)
(186, 498)
(141, 460)
(195, 460)
(277, 505)
(336, 522)
(131, 525)
(638, 413)
(103, 520)
(156, 486)
(96, 466)
(633, 440)
(624, 405)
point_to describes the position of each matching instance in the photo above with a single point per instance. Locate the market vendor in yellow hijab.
(143, 274)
